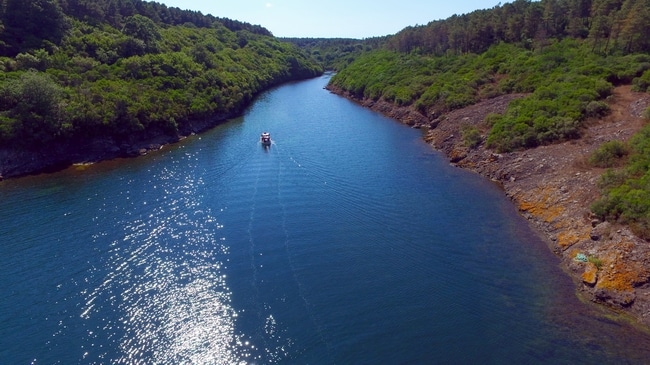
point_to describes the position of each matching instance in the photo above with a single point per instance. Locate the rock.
(590, 275)
(600, 230)
(617, 298)
(457, 155)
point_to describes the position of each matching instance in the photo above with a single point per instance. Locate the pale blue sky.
(334, 18)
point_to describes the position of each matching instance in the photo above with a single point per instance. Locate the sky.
(333, 18)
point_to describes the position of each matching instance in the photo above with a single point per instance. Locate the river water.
(347, 241)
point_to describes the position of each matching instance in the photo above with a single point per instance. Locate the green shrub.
(606, 209)
(641, 83)
(490, 91)
(552, 113)
(626, 193)
(609, 154)
(596, 261)
(611, 178)
(471, 135)
(7, 128)
(491, 119)
(597, 109)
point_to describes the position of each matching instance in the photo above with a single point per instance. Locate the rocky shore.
(553, 187)
(20, 162)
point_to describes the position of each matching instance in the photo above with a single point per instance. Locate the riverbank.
(20, 162)
(553, 187)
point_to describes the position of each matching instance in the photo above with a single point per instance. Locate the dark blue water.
(348, 241)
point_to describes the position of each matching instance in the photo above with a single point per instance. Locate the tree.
(28, 23)
(144, 29)
(603, 13)
(32, 104)
(635, 30)
(554, 18)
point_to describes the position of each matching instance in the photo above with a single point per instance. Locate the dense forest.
(565, 55)
(611, 26)
(128, 69)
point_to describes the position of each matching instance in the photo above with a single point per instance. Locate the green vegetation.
(609, 26)
(566, 82)
(128, 69)
(471, 135)
(564, 57)
(642, 83)
(596, 261)
(609, 154)
(566, 54)
(626, 192)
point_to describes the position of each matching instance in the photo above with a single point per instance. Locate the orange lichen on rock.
(590, 276)
(618, 280)
(619, 273)
(544, 206)
(457, 154)
(569, 238)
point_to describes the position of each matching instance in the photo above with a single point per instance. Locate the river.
(347, 241)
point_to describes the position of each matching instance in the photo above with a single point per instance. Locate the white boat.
(265, 138)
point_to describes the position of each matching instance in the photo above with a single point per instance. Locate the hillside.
(110, 79)
(551, 100)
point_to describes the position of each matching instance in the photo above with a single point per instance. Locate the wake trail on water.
(351, 197)
(265, 333)
(233, 165)
(251, 241)
(292, 266)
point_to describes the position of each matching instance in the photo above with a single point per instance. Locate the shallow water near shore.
(347, 241)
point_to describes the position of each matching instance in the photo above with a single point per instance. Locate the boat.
(265, 138)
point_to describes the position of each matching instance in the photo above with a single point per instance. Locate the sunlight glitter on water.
(191, 323)
(164, 281)
(175, 305)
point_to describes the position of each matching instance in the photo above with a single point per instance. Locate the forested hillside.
(336, 53)
(611, 26)
(128, 69)
(566, 55)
